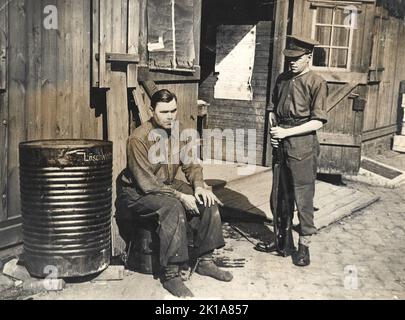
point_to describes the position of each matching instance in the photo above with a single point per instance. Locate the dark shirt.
(149, 177)
(299, 97)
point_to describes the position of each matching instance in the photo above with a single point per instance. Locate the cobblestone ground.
(360, 257)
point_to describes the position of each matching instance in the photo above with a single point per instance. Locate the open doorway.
(235, 58)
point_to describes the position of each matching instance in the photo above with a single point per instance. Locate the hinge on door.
(359, 104)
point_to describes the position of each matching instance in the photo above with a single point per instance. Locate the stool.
(143, 249)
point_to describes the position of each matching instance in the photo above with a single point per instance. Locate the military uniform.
(299, 96)
(296, 100)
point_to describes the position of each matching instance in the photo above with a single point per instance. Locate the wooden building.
(75, 68)
(359, 57)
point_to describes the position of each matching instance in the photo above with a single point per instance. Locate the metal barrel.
(66, 192)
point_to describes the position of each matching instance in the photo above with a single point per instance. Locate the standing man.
(150, 191)
(297, 111)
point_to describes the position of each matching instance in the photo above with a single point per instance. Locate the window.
(333, 27)
(171, 34)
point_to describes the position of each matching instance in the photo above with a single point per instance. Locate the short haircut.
(163, 95)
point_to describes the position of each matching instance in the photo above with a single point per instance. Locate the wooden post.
(117, 115)
(133, 40)
(399, 140)
(3, 114)
(113, 28)
(95, 41)
(280, 32)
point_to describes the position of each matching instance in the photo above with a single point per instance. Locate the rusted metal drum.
(66, 206)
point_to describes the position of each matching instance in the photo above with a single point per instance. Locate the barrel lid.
(65, 143)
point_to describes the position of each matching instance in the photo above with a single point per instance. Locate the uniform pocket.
(301, 147)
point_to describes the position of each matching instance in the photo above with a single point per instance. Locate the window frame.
(333, 26)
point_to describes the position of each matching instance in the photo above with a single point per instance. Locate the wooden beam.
(95, 39)
(140, 101)
(120, 57)
(280, 31)
(143, 32)
(114, 27)
(11, 235)
(145, 74)
(197, 29)
(338, 95)
(379, 132)
(4, 108)
(133, 40)
(150, 87)
(339, 139)
(339, 3)
(343, 77)
(118, 119)
(104, 14)
(3, 43)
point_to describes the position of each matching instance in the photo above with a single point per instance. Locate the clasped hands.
(201, 196)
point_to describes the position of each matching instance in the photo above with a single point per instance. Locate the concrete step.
(248, 197)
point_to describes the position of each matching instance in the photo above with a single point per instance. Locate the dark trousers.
(175, 226)
(300, 155)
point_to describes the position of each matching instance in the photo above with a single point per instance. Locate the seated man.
(150, 190)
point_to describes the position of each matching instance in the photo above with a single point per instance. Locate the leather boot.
(207, 267)
(302, 258)
(173, 283)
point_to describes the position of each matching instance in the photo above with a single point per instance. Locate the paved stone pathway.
(360, 257)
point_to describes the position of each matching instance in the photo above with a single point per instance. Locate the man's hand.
(208, 197)
(274, 143)
(189, 203)
(279, 133)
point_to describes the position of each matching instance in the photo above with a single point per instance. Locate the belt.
(293, 122)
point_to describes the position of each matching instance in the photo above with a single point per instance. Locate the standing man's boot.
(173, 283)
(302, 258)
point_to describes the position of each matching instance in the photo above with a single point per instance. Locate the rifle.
(282, 206)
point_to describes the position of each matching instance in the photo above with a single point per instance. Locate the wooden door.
(340, 138)
(342, 58)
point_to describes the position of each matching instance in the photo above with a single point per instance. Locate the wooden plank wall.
(383, 95)
(278, 62)
(3, 117)
(227, 114)
(113, 37)
(399, 73)
(342, 120)
(49, 80)
(381, 114)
